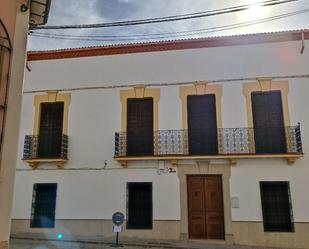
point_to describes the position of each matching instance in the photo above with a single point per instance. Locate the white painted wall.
(95, 115)
(259, 60)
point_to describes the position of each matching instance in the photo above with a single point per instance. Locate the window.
(43, 205)
(139, 205)
(140, 127)
(268, 122)
(276, 207)
(202, 124)
(51, 123)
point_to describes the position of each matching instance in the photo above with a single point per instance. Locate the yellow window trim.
(264, 85)
(51, 97)
(140, 92)
(201, 88)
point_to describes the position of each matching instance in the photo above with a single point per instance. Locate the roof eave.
(234, 40)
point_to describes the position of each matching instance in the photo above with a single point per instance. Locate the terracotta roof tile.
(216, 41)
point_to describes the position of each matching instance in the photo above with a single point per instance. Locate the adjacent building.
(193, 139)
(15, 17)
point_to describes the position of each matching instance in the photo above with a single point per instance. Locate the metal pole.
(117, 238)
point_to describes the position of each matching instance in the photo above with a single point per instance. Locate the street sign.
(118, 218)
(117, 229)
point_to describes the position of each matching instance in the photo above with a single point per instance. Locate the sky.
(65, 12)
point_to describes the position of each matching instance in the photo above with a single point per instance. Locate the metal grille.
(31, 148)
(231, 141)
(236, 141)
(43, 205)
(171, 142)
(276, 207)
(293, 139)
(139, 205)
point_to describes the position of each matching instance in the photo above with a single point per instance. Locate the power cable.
(171, 34)
(169, 18)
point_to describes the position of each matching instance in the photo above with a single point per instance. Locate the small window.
(43, 205)
(276, 207)
(139, 205)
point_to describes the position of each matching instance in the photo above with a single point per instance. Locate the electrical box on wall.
(235, 202)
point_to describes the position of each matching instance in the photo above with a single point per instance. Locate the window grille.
(276, 207)
(43, 205)
(139, 205)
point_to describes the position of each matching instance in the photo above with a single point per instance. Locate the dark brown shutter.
(268, 122)
(44, 205)
(202, 125)
(140, 127)
(139, 205)
(50, 136)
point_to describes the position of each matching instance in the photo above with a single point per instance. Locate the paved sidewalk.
(23, 242)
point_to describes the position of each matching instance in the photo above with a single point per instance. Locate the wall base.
(169, 230)
(252, 233)
(243, 233)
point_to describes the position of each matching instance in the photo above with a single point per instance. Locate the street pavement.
(53, 244)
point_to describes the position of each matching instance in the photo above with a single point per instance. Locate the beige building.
(15, 17)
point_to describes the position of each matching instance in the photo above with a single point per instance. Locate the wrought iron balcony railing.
(229, 141)
(45, 147)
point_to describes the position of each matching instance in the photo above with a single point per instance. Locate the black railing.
(230, 141)
(40, 147)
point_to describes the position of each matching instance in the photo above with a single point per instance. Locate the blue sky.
(97, 11)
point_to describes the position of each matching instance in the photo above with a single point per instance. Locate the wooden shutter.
(50, 136)
(202, 125)
(43, 205)
(140, 127)
(268, 122)
(139, 205)
(276, 207)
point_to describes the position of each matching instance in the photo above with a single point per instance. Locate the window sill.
(34, 163)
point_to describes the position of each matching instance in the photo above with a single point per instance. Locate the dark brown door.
(50, 136)
(202, 124)
(140, 127)
(205, 207)
(268, 122)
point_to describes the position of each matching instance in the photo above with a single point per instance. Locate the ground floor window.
(43, 205)
(276, 207)
(139, 205)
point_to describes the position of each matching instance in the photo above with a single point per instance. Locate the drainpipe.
(303, 43)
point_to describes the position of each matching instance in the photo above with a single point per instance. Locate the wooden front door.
(205, 207)
(268, 122)
(202, 124)
(51, 124)
(140, 127)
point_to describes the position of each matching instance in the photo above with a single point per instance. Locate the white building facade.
(196, 139)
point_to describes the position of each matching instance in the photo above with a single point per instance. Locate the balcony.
(228, 143)
(45, 149)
